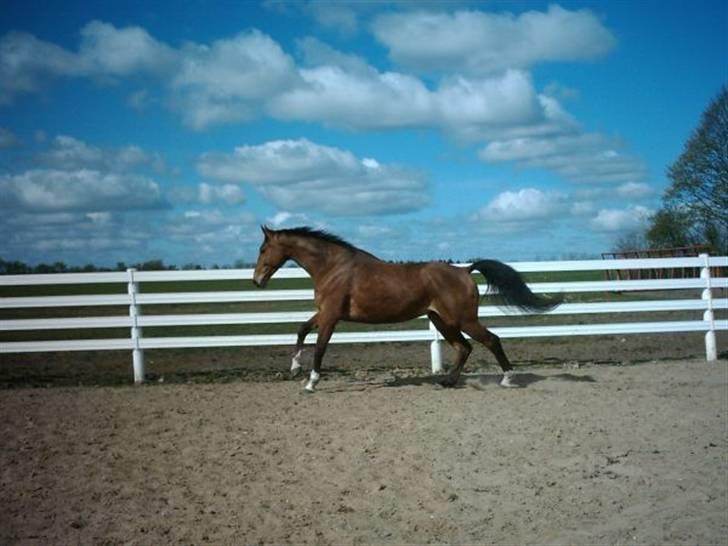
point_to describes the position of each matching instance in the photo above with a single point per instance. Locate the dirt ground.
(220, 365)
(583, 453)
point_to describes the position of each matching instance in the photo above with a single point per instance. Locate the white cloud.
(249, 75)
(635, 190)
(615, 220)
(67, 152)
(278, 162)
(230, 194)
(107, 50)
(339, 17)
(284, 218)
(354, 95)
(375, 231)
(28, 64)
(228, 80)
(479, 42)
(340, 97)
(71, 176)
(507, 99)
(582, 208)
(210, 232)
(301, 175)
(78, 237)
(522, 207)
(487, 96)
(78, 190)
(317, 53)
(582, 157)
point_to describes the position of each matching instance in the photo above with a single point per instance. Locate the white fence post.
(711, 347)
(436, 350)
(136, 331)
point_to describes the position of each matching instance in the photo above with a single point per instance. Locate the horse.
(350, 284)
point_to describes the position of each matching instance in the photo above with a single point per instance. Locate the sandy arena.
(597, 454)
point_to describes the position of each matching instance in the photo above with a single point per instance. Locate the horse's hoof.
(309, 390)
(449, 383)
(312, 381)
(507, 381)
(295, 372)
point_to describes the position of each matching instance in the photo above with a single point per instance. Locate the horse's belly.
(387, 308)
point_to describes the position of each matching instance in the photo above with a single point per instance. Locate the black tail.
(512, 290)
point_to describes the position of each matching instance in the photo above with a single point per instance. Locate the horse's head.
(270, 258)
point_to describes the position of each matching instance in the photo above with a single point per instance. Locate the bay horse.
(351, 284)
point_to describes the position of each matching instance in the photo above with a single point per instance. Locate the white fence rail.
(136, 321)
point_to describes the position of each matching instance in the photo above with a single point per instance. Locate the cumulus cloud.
(28, 64)
(73, 236)
(283, 218)
(249, 75)
(523, 207)
(77, 197)
(107, 50)
(478, 42)
(339, 17)
(301, 175)
(635, 190)
(228, 80)
(78, 190)
(67, 152)
(483, 93)
(362, 98)
(615, 220)
(582, 157)
(212, 233)
(229, 194)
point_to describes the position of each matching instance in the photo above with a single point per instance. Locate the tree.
(671, 228)
(631, 241)
(697, 200)
(152, 265)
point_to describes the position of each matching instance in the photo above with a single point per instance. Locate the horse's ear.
(266, 232)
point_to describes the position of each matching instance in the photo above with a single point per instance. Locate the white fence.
(136, 321)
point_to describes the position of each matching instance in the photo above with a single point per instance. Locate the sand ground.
(597, 454)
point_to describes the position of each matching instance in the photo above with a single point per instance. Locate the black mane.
(306, 231)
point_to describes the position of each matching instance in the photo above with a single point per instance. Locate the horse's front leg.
(326, 328)
(303, 331)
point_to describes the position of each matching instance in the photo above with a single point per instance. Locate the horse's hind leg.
(480, 333)
(303, 331)
(458, 342)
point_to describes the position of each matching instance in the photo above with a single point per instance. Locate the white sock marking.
(507, 380)
(313, 379)
(296, 362)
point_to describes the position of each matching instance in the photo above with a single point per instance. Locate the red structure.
(637, 274)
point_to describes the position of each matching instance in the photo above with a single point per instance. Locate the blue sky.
(416, 130)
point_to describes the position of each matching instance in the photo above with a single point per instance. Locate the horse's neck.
(314, 258)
